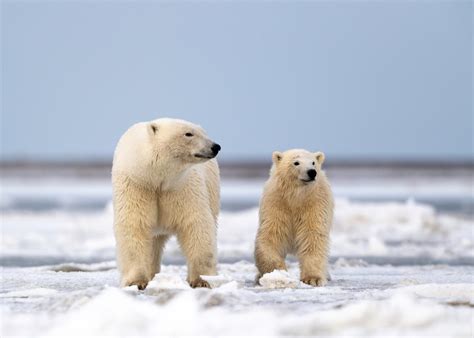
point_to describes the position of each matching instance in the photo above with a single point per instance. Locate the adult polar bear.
(165, 182)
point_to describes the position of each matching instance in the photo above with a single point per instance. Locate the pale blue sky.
(369, 79)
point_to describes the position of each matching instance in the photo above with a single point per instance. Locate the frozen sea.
(402, 261)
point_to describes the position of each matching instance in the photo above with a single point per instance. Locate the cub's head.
(297, 165)
(181, 140)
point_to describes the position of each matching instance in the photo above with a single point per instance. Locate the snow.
(220, 281)
(361, 300)
(398, 315)
(28, 293)
(278, 279)
(398, 268)
(454, 293)
(164, 281)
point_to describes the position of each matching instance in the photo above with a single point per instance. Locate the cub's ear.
(277, 156)
(153, 128)
(320, 157)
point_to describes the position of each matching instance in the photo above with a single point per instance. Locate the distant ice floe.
(29, 293)
(77, 267)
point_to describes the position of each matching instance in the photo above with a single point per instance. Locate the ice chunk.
(278, 279)
(167, 281)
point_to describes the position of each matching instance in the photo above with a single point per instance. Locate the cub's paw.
(257, 278)
(314, 281)
(199, 283)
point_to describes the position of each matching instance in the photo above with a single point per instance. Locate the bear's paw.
(314, 281)
(199, 283)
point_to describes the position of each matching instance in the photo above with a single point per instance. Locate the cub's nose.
(215, 148)
(311, 174)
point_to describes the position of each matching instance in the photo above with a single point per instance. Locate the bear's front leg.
(271, 246)
(197, 238)
(135, 211)
(134, 256)
(312, 252)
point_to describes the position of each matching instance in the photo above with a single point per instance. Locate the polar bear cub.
(296, 212)
(165, 182)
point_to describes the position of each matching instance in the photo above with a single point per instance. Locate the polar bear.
(165, 182)
(296, 212)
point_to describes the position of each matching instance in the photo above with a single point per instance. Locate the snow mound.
(110, 313)
(278, 279)
(450, 293)
(410, 216)
(115, 313)
(167, 281)
(399, 315)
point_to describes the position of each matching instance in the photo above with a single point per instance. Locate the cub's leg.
(197, 238)
(135, 210)
(312, 250)
(271, 244)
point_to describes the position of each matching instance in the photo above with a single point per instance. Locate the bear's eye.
(189, 135)
(313, 163)
(296, 163)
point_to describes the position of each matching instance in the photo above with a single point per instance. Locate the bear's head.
(181, 141)
(298, 165)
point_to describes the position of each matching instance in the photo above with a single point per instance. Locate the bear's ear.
(320, 157)
(277, 156)
(153, 127)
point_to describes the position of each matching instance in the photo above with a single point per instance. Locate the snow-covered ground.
(362, 299)
(398, 268)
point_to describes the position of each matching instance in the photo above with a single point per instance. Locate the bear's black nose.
(311, 174)
(215, 148)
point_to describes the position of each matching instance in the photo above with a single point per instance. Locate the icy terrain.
(362, 299)
(398, 268)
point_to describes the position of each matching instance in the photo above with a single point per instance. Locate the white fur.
(295, 216)
(164, 183)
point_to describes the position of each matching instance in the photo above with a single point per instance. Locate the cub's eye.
(296, 163)
(189, 134)
(313, 163)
